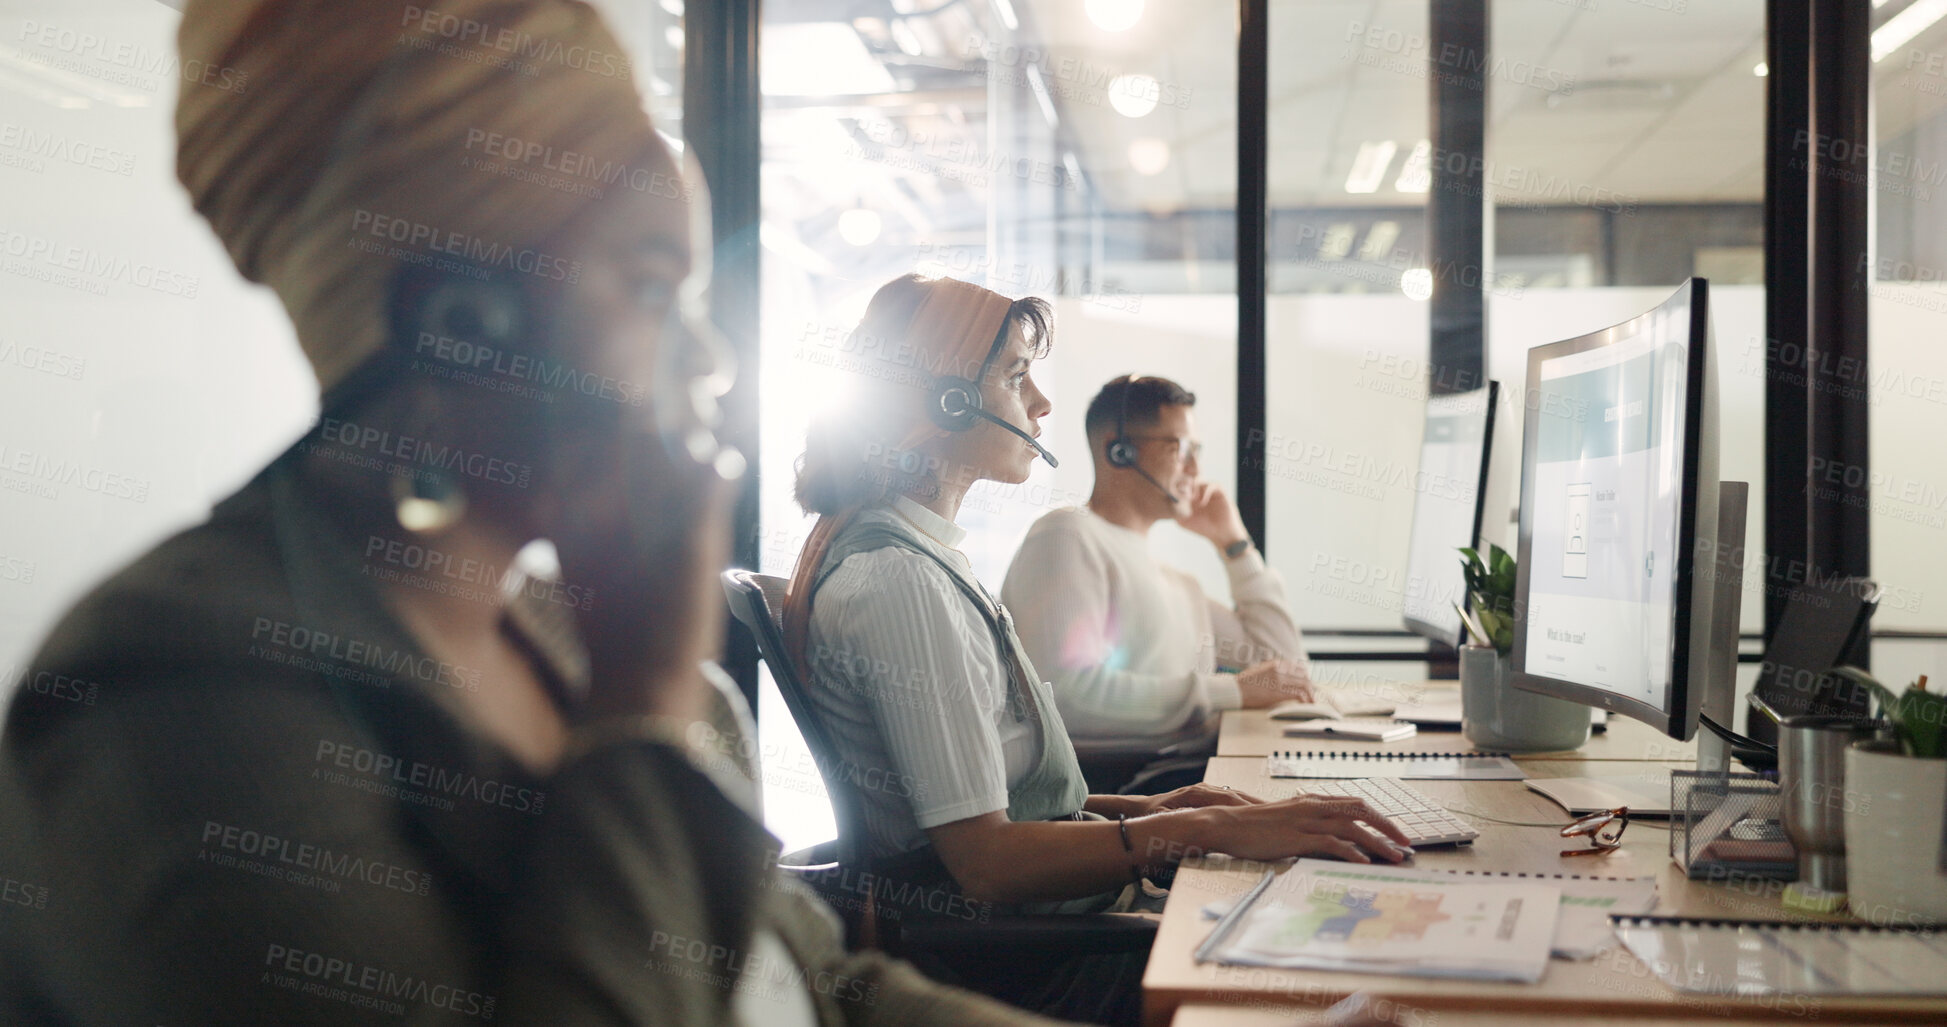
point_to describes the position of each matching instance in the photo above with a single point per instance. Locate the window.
(1082, 153)
(1906, 374)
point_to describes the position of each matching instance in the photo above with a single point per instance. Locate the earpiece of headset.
(483, 313)
(1122, 451)
(956, 403)
(433, 305)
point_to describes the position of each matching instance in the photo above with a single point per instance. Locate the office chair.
(836, 869)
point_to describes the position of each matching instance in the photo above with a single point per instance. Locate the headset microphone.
(1171, 496)
(1122, 451)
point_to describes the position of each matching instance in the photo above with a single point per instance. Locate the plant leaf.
(1920, 714)
(1916, 716)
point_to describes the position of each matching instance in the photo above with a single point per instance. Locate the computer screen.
(1618, 492)
(1448, 493)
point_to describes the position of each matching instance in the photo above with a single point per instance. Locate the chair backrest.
(757, 601)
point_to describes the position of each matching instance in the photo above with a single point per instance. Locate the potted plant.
(1493, 713)
(1896, 789)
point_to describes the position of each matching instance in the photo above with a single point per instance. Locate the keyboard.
(1423, 820)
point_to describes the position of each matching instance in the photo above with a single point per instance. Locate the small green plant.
(1490, 591)
(1917, 715)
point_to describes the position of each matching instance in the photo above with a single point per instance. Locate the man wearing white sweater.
(1140, 658)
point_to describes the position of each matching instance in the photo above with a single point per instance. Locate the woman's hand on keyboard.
(1308, 825)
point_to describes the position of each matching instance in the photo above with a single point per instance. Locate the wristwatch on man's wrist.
(1237, 549)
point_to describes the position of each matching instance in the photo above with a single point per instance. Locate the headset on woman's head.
(956, 403)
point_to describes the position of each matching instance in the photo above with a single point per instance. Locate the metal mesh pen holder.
(1727, 826)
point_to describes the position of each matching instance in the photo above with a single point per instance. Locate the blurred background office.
(1086, 151)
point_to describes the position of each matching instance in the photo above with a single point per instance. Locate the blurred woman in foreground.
(338, 761)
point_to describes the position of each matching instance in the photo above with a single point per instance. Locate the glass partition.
(1084, 153)
(1906, 374)
(1346, 315)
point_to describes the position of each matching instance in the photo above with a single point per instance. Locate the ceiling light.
(674, 7)
(859, 226)
(819, 58)
(1416, 283)
(1901, 28)
(1040, 90)
(1415, 174)
(1115, 15)
(902, 34)
(1133, 96)
(1074, 166)
(1761, 69)
(1149, 156)
(1378, 240)
(673, 35)
(1006, 11)
(1369, 167)
(43, 92)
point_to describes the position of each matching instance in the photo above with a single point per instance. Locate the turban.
(359, 137)
(943, 323)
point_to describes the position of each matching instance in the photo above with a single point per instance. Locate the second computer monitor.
(1619, 497)
(1448, 495)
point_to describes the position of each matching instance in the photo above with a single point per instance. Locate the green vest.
(1053, 788)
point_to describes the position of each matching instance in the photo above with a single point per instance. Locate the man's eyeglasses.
(1187, 449)
(1603, 830)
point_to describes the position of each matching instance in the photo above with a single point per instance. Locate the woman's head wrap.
(354, 138)
(942, 324)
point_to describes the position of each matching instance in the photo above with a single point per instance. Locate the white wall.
(153, 363)
(142, 379)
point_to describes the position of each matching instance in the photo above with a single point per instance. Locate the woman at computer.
(965, 769)
(318, 759)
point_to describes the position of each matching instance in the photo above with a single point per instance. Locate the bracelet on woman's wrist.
(1135, 868)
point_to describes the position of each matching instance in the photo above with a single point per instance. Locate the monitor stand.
(1646, 791)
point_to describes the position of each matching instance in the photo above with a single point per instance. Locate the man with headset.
(1142, 661)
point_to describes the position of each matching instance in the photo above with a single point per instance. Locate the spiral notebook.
(1403, 766)
(1722, 957)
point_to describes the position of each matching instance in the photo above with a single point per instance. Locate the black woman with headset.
(967, 778)
(340, 760)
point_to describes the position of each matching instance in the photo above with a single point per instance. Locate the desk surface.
(1263, 1014)
(1613, 984)
(1251, 733)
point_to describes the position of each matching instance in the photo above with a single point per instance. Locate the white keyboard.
(1424, 822)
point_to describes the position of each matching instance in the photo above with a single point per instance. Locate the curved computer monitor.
(1448, 494)
(1619, 491)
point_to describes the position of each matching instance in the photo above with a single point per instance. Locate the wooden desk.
(1263, 1014)
(1613, 984)
(1251, 733)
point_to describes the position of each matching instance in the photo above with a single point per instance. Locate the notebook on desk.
(1334, 916)
(1367, 729)
(1722, 957)
(1332, 704)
